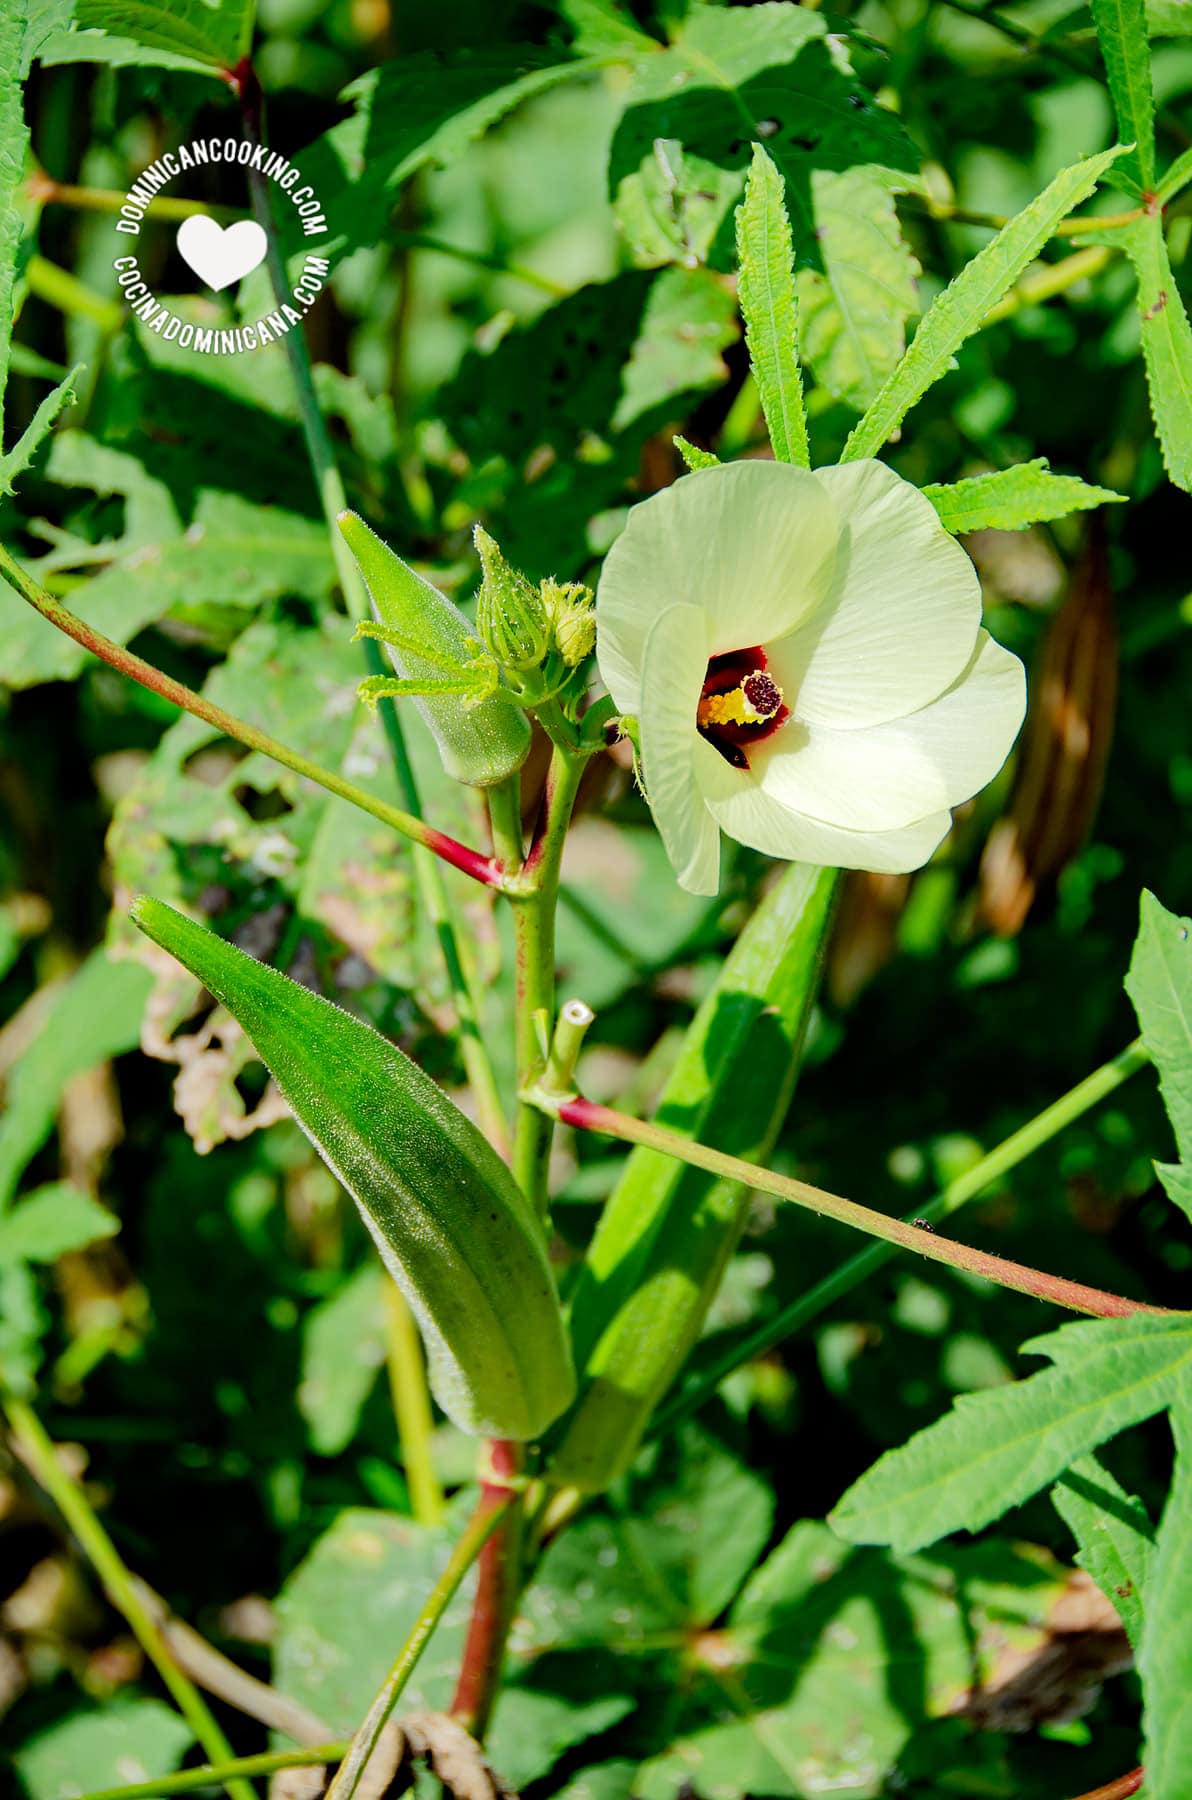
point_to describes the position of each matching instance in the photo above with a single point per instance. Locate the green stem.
(975, 1181)
(48, 192)
(499, 1579)
(493, 1505)
(188, 1781)
(1072, 1294)
(68, 295)
(505, 823)
(432, 889)
(481, 868)
(35, 1446)
(1050, 279)
(480, 259)
(411, 1406)
(534, 939)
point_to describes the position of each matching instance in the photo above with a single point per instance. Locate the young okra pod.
(452, 1226)
(481, 741)
(668, 1230)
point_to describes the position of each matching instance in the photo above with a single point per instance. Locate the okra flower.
(804, 657)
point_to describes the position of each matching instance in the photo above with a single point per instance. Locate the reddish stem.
(498, 1585)
(1072, 1294)
(1121, 1789)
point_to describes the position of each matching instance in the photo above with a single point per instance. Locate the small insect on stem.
(923, 1224)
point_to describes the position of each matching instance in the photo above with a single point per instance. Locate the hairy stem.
(35, 1448)
(411, 1407)
(1071, 1294)
(492, 1507)
(996, 1163)
(480, 868)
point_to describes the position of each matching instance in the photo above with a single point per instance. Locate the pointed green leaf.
(959, 310)
(1011, 499)
(50, 1222)
(1166, 345)
(997, 1448)
(1122, 30)
(1160, 987)
(37, 430)
(693, 456)
(1165, 1655)
(451, 1225)
(1114, 1534)
(766, 290)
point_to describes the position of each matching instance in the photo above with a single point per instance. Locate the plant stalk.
(587, 1116)
(498, 1587)
(975, 1181)
(33, 1444)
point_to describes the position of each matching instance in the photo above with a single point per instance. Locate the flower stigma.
(741, 704)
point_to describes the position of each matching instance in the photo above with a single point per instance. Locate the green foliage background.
(533, 217)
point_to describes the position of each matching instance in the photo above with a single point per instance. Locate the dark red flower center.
(741, 704)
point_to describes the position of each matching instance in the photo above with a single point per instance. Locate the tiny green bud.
(510, 616)
(573, 623)
(481, 741)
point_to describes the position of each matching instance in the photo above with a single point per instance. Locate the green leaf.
(687, 321)
(1122, 30)
(126, 1741)
(1169, 18)
(837, 1659)
(1160, 988)
(693, 456)
(343, 1346)
(189, 33)
(766, 291)
(35, 433)
(959, 310)
(95, 1015)
(667, 1232)
(668, 1554)
(14, 141)
(452, 1226)
(733, 76)
(1166, 345)
(997, 1448)
(1011, 499)
(853, 312)
(51, 1221)
(419, 109)
(1165, 1655)
(1114, 1534)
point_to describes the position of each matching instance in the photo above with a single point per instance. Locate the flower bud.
(481, 743)
(573, 623)
(510, 616)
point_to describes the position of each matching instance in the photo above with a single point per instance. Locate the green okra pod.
(451, 1224)
(668, 1231)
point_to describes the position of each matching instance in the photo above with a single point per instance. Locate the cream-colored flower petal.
(901, 620)
(751, 544)
(882, 777)
(745, 811)
(674, 663)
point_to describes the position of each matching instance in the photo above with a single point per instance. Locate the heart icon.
(218, 254)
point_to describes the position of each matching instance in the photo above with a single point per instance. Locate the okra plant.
(741, 626)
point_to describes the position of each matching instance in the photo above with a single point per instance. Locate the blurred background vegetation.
(523, 313)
